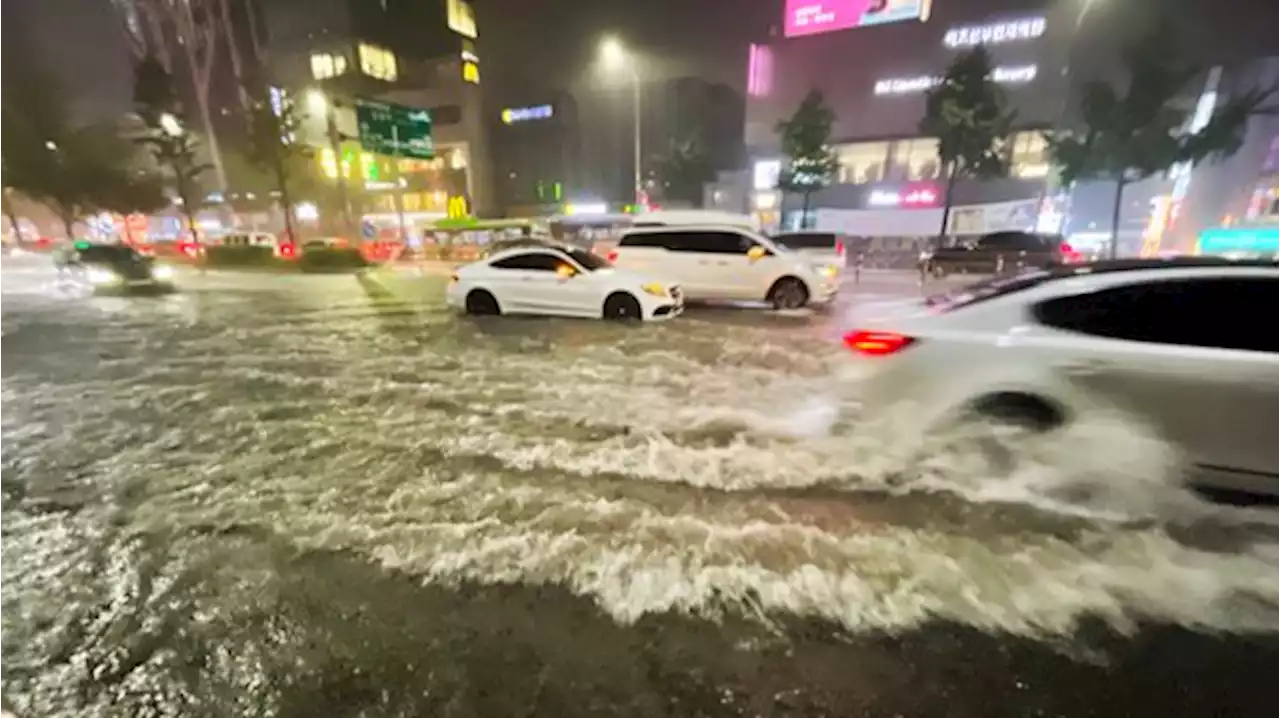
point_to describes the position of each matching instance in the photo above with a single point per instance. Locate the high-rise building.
(421, 54)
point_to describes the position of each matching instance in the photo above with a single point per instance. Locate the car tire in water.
(788, 293)
(621, 306)
(482, 303)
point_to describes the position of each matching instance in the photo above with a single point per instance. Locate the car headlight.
(828, 270)
(101, 276)
(162, 272)
(655, 289)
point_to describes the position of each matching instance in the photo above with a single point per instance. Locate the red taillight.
(839, 247)
(612, 256)
(287, 251)
(876, 343)
(1069, 254)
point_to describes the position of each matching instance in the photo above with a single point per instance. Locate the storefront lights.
(1010, 75)
(994, 33)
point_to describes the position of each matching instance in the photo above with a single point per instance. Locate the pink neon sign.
(812, 17)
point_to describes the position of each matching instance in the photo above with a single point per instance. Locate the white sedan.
(1186, 347)
(560, 281)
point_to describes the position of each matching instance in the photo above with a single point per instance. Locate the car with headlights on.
(110, 267)
(560, 281)
(1185, 347)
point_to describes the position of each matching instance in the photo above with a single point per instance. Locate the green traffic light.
(83, 245)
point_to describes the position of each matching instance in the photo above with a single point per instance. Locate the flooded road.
(298, 496)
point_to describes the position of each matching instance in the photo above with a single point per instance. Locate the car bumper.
(660, 308)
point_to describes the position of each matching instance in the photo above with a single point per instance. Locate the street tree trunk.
(946, 207)
(804, 210)
(12, 214)
(68, 223)
(286, 204)
(1114, 250)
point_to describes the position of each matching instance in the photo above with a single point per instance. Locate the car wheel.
(621, 306)
(482, 303)
(788, 293)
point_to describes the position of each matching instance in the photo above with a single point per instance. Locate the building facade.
(874, 76)
(535, 137)
(421, 55)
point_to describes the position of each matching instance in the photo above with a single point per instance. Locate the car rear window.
(987, 289)
(807, 240)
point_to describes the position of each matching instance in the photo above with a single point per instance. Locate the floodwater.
(289, 495)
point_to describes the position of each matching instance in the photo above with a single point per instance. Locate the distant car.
(1000, 253)
(280, 247)
(116, 267)
(719, 262)
(561, 281)
(1187, 347)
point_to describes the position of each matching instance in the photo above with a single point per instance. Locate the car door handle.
(1082, 367)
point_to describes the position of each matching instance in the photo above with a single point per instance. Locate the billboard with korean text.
(812, 17)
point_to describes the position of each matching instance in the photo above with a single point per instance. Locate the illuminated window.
(915, 159)
(862, 162)
(471, 72)
(462, 18)
(325, 65)
(378, 62)
(1028, 155)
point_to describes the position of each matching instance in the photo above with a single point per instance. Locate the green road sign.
(388, 129)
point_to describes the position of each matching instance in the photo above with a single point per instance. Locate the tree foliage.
(966, 113)
(1144, 126)
(274, 148)
(682, 170)
(806, 142)
(73, 169)
(166, 135)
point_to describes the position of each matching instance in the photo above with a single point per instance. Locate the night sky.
(553, 42)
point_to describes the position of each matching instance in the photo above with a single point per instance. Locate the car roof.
(669, 228)
(524, 249)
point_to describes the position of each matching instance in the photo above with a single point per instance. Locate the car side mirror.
(757, 253)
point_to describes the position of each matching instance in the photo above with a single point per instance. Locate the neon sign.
(814, 17)
(996, 33)
(1016, 75)
(912, 195)
(512, 115)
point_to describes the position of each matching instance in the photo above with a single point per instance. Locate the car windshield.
(986, 289)
(589, 261)
(106, 254)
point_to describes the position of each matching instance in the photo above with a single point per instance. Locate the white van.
(720, 262)
(280, 247)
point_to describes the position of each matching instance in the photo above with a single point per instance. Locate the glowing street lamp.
(614, 56)
(170, 125)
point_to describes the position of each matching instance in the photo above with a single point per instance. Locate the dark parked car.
(1000, 253)
(109, 267)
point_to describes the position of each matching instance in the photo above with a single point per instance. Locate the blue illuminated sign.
(524, 114)
(1251, 240)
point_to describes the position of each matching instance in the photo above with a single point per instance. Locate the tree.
(966, 112)
(274, 148)
(806, 139)
(682, 170)
(195, 26)
(166, 136)
(1130, 133)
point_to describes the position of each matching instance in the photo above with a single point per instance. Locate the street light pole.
(614, 54)
(639, 180)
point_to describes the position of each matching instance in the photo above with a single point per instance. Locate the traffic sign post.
(395, 130)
